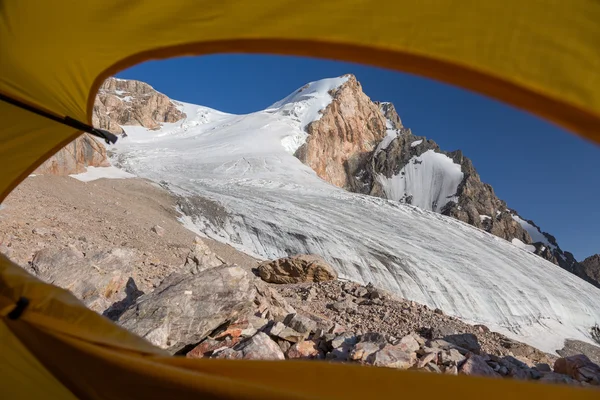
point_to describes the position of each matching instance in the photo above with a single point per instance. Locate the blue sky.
(545, 173)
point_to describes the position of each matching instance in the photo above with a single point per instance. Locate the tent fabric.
(67, 350)
(540, 55)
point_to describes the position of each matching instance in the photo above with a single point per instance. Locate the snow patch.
(533, 231)
(390, 135)
(428, 181)
(304, 105)
(520, 244)
(416, 143)
(484, 217)
(94, 173)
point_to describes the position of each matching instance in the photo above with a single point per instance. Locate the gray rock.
(476, 365)
(363, 350)
(185, 308)
(426, 359)
(302, 268)
(466, 341)
(345, 338)
(451, 356)
(260, 347)
(543, 367)
(300, 323)
(344, 306)
(284, 345)
(409, 344)
(104, 281)
(444, 345)
(392, 357)
(574, 347)
(201, 258)
(159, 230)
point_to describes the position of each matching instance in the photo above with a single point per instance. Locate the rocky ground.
(132, 215)
(117, 245)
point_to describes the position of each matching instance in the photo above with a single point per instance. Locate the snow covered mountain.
(239, 182)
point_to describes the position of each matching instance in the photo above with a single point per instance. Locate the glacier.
(239, 183)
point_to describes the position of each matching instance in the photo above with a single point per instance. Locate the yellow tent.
(540, 55)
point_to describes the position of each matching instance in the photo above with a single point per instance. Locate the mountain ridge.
(352, 142)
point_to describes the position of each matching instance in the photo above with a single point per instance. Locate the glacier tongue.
(270, 204)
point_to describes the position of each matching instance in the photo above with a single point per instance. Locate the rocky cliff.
(82, 152)
(128, 102)
(362, 146)
(340, 142)
(118, 102)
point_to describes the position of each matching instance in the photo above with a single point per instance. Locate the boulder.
(300, 323)
(392, 357)
(369, 343)
(185, 308)
(451, 356)
(279, 330)
(466, 341)
(258, 347)
(476, 365)
(296, 269)
(426, 359)
(159, 230)
(104, 281)
(270, 303)
(578, 367)
(342, 345)
(409, 344)
(344, 306)
(201, 257)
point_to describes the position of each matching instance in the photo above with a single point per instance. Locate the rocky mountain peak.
(362, 146)
(129, 102)
(346, 133)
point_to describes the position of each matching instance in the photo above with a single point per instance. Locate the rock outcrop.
(129, 102)
(296, 269)
(591, 267)
(340, 142)
(118, 102)
(74, 158)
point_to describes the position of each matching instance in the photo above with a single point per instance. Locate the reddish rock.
(208, 346)
(476, 365)
(304, 349)
(296, 269)
(85, 151)
(578, 367)
(349, 128)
